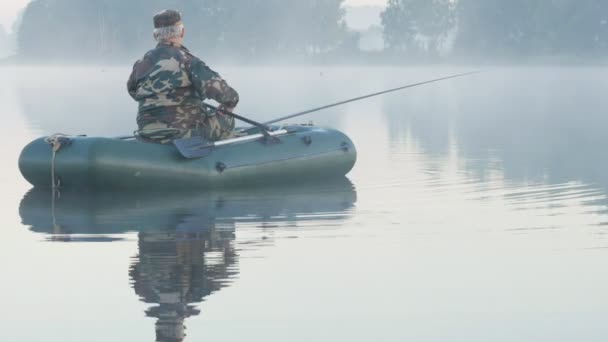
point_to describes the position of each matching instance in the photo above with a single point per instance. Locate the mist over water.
(476, 211)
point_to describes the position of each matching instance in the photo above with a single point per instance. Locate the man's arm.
(132, 82)
(210, 85)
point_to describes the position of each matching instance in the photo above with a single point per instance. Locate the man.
(170, 85)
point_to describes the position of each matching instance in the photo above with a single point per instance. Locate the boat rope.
(57, 141)
(55, 195)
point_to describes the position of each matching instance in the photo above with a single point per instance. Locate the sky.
(9, 9)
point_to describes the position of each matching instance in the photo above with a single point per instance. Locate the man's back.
(170, 85)
(161, 83)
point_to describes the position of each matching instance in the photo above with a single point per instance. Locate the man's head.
(168, 27)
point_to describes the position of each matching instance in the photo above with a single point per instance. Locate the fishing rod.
(308, 111)
(264, 129)
(196, 149)
(264, 126)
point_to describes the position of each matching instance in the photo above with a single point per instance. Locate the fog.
(482, 198)
(477, 209)
(7, 47)
(328, 31)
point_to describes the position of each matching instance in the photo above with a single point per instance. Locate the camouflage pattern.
(170, 85)
(216, 127)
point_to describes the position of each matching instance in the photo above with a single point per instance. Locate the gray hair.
(162, 34)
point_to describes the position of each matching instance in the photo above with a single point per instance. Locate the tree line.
(275, 29)
(59, 29)
(497, 28)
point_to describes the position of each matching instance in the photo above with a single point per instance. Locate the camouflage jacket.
(169, 80)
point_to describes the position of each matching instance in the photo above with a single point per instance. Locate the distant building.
(366, 21)
(361, 18)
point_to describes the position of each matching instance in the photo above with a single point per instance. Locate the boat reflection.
(98, 214)
(187, 245)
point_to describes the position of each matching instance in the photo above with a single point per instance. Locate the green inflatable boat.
(284, 154)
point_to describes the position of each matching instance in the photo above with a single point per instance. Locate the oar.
(198, 147)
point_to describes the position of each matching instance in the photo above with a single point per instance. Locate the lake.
(477, 211)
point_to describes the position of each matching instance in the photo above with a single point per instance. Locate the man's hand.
(223, 109)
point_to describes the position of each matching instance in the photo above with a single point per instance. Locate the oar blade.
(193, 148)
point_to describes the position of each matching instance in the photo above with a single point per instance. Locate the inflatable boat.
(285, 154)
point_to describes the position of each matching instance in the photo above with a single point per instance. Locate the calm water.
(477, 211)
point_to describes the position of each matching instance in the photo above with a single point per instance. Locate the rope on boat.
(57, 141)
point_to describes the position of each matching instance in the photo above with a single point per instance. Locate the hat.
(167, 18)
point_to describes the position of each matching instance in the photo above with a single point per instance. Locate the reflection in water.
(186, 242)
(173, 270)
(541, 128)
(482, 199)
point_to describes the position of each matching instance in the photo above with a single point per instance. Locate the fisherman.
(170, 84)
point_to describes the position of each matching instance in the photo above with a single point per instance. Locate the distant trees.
(568, 26)
(52, 29)
(262, 29)
(495, 27)
(245, 28)
(532, 27)
(512, 28)
(418, 27)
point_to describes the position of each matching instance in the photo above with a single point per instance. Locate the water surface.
(476, 211)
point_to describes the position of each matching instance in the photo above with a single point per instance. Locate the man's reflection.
(177, 269)
(186, 242)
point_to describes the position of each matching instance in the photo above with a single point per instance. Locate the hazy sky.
(8, 11)
(9, 8)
